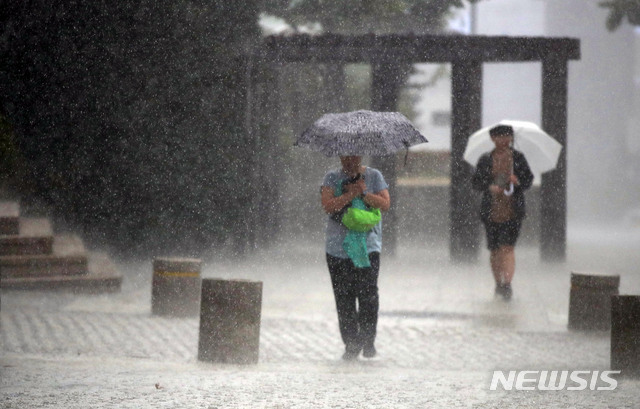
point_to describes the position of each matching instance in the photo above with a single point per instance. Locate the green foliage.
(366, 16)
(130, 114)
(619, 9)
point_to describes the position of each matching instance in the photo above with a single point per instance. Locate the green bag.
(361, 220)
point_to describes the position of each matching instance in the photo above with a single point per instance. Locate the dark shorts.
(502, 234)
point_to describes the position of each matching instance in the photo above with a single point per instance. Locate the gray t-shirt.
(336, 232)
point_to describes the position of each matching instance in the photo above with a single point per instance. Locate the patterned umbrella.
(361, 133)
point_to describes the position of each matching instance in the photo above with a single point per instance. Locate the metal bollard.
(625, 334)
(175, 289)
(230, 321)
(590, 301)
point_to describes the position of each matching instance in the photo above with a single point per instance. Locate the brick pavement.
(440, 336)
(402, 343)
(434, 315)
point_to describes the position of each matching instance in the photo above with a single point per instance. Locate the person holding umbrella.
(353, 197)
(502, 175)
(353, 278)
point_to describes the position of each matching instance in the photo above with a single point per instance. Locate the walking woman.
(353, 257)
(502, 175)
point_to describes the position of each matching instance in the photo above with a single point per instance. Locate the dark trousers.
(350, 285)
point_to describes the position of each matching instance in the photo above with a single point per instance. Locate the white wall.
(601, 99)
(511, 90)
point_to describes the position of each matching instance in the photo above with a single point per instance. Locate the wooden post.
(230, 321)
(466, 115)
(334, 80)
(175, 288)
(553, 190)
(385, 87)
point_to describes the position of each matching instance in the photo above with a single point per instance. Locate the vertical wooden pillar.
(553, 191)
(466, 107)
(385, 87)
(334, 98)
(264, 180)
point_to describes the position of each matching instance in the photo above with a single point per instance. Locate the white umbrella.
(540, 149)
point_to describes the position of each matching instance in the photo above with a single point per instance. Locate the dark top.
(483, 178)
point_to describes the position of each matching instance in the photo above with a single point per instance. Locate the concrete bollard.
(590, 301)
(9, 218)
(175, 289)
(625, 334)
(230, 321)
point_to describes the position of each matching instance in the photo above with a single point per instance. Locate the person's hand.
(514, 179)
(356, 189)
(495, 189)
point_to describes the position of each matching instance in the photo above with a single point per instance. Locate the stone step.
(102, 276)
(35, 237)
(9, 218)
(69, 257)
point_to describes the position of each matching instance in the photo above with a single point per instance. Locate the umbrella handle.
(510, 191)
(406, 153)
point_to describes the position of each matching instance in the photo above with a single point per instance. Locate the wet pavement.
(441, 335)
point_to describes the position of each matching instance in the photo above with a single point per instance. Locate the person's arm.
(481, 179)
(379, 200)
(523, 175)
(333, 204)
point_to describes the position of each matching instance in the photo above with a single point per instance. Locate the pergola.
(466, 54)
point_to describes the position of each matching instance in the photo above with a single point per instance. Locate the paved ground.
(441, 335)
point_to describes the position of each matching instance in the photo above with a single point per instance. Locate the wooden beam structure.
(467, 54)
(411, 48)
(553, 190)
(385, 89)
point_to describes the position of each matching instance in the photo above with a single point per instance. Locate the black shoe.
(350, 355)
(504, 290)
(507, 292)
(369, 352)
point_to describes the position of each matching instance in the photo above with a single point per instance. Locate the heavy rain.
(163, 229)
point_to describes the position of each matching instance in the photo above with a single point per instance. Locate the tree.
(619, 9)
(366, 16)
(130, 114)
